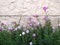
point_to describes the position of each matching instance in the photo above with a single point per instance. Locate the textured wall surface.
(28, 7)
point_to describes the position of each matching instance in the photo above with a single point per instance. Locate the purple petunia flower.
(1, 28)
(44, 8)
(4, 22)
(30, 18)
(9, 28)
(33, 21)
(15, 29)
(37, 24)
(33, 34)
(30, 24)
(27, 31)
(45, 18)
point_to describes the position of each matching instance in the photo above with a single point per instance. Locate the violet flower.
(37, 24)
(3, 23)
(1, 28)
(44, 8)
(15, 29)
(45, 18)
(27, 31)
(30, 18)
(9, 28)
(33, 34)
(32, 22)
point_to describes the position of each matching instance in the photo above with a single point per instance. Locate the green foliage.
(48, 33)
(5, 38)
(44, 36)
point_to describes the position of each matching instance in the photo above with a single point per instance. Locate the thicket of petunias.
(33, 34)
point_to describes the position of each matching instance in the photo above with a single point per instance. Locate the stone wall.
(28, 7)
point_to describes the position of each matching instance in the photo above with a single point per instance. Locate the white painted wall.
(27, 7)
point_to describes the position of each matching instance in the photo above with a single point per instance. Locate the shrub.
(33, 35)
